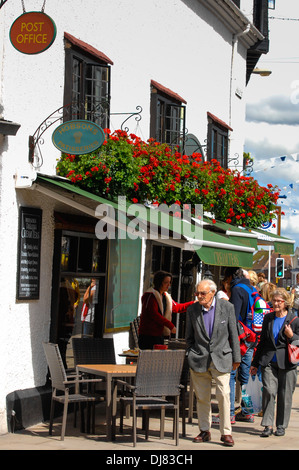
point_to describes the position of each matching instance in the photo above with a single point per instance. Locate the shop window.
(87, 82)
(79, 268)
(167, 124)
(218, 140)
(81, 254)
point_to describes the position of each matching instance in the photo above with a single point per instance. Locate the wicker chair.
(181, 344)
(134, 327)
(93, 351)
(157, 383)
(62, 385)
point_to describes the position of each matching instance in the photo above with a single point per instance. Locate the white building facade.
(194, 54)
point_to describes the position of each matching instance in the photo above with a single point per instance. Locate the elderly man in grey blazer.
(213, 350)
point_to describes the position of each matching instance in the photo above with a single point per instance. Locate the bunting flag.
(287, 191)
(272, 162)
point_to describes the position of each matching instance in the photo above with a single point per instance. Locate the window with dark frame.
(218, 140)
(80, 260)
(87, 82)
(168, 114)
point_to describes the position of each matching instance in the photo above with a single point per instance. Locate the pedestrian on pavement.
(267, 291)
(295, 296)
(156, 315)
(253, 278)
(262, 280)
(240, 300)
(279, 375)
(213, 350)
(224, 292)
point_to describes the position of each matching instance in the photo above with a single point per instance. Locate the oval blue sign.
(78, 137)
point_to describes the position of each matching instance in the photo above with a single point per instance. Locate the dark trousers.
(147, 342)
(279, 386)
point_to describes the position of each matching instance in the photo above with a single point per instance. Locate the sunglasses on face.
(203, 294)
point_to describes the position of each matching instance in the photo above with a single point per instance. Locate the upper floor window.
(167, 123)
(218, 140)
(87, 82)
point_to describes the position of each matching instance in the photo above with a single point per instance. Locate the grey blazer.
(223, 348)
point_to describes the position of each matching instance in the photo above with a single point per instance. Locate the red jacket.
(152, 321)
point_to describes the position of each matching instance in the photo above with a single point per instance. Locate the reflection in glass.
(73, 294)
(90, 300)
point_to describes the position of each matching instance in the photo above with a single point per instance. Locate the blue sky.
(272, 114)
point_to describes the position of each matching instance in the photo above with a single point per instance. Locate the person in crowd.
(213, 350)
(295, 296)
(261, 280)
(239, 298)
(253, 278)
(279, 375)
(156, 314)
(224, 292)
(267, 291)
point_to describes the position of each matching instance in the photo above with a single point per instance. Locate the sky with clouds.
(272, 114)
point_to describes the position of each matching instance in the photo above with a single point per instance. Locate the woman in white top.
(224, 292)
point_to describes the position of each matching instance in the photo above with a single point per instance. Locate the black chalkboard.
(28, 275)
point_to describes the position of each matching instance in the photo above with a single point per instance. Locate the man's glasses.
(203, 294)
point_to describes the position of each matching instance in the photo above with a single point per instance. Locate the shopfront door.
(79, 289)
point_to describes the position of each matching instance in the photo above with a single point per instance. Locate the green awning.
(212, 247)
(219, 250)
(239, 234)
(282, 245)
(253, 237)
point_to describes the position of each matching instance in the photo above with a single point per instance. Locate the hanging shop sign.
(29, 251)
(33, 32)
(78, 137)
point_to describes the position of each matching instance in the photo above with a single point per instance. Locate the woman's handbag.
(293, 350)
(84, 311)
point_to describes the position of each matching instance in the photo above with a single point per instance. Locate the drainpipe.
(234, 46)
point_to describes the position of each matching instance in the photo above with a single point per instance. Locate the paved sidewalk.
(246, 437)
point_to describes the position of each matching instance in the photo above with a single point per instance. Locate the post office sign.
(33, 32)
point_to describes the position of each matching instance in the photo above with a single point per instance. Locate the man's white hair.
(210, 283)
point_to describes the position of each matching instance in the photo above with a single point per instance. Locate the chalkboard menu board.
(28, 280)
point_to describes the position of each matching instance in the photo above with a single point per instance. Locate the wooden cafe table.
(109, 372)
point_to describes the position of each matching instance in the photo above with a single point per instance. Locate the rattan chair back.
(159, 372)
(93, 351)
(56, 367)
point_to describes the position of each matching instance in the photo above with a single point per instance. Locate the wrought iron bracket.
(36, 139)
(247, 168)
(234, 159)
(60, 114)
(136, 113)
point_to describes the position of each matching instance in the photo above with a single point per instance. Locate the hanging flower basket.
(149, 171)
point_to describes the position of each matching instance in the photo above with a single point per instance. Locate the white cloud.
(272, 127)
(276, 109)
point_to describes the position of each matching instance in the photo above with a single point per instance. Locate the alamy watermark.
(159, 222)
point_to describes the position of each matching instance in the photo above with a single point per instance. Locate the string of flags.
(287, 191)
(272, 162)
